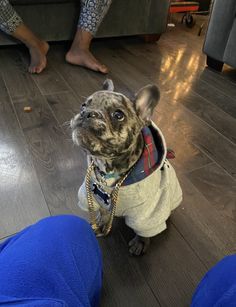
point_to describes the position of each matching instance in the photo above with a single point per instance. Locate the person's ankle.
(82, 40)
(78, 50)
(36, 44)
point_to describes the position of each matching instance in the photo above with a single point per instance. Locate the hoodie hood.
(153, 156)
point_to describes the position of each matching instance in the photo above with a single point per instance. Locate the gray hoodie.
(145, 204)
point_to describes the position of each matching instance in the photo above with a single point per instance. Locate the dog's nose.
(93, 114)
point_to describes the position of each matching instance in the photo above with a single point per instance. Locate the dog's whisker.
(69, 140)
(67, 128)
(81, 96)
(67, 123)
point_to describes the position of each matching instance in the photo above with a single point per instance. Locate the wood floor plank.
(172, 76)
(9, 127)
(176, 65)
(218, 187)
(167, 72)
(203, 108)
(59, 166)
(65, 106)
(220, 82)
(14, 71)
(215, 96)
(137, 71)
(170, 262)
(207, 139)
(51, 150)
(21, 199)
(188, 156)
(211, 114)
(229, 74)
(175, 84)
(203, 225)
(124, 284)
(132, 78)
(82, 81)
(49, 82)
(3, 89)
(183, 37)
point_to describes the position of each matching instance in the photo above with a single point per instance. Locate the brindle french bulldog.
(118, 136)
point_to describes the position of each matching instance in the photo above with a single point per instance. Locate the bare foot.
(38, 54)
(84, 57)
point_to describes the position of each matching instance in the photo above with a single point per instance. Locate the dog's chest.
(103, 190)
(129, 196)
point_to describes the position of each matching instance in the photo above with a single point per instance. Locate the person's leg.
(38, 48)
(12, 24)
(91, 15)
(57, 258)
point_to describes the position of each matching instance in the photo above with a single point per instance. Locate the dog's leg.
(102, 218)
(138, 245)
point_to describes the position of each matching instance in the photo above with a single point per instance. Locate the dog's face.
(109, 124)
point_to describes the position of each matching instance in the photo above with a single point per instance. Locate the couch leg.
(151, 38)
(214, 64)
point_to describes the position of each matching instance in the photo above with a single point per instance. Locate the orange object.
(27, 109)
(183, 6)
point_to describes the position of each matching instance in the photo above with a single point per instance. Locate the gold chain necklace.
(114, 198)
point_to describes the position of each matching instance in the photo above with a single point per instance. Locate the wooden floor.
(41, 170)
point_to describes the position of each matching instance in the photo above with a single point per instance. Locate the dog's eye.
(118, 115)
(83, 106)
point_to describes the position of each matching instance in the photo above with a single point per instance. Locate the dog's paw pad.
(137, 247)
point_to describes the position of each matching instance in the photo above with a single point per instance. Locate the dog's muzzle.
(88, 119)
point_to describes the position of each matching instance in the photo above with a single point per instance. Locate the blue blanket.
(56, 262)
(218, 287)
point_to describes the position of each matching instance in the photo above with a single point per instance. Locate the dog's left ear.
(146, 100)
(108, 85)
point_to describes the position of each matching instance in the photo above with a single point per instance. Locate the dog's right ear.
(146, 100)
(108, 85)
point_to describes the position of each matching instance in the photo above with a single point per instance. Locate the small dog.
(129, 175)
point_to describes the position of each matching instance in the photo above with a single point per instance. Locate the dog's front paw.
(99, 233)
(138, 245)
